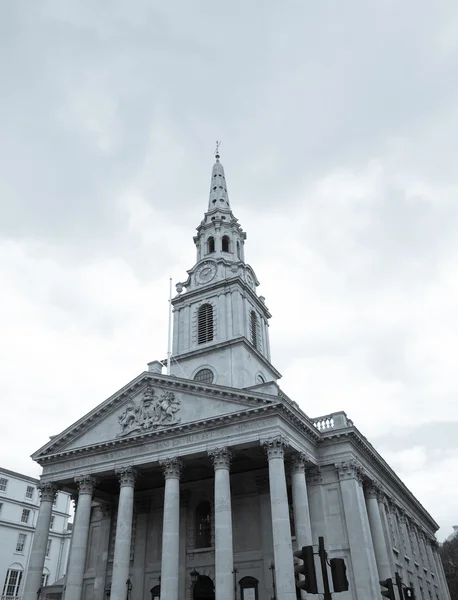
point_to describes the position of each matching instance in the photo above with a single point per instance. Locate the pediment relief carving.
(150, 413)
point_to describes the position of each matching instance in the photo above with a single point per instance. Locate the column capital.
(126, 476)
(402, 516)
(297, 463)
(220, 457)
(350, 469)
(313, 476)
(372, 489)
(85, 484)
(47, 491)
(171, 467)
(275, 446)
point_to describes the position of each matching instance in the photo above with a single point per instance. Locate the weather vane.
(218, 144)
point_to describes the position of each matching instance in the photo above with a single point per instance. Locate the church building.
(200, 484)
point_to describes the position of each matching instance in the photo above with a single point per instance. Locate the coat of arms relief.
(152, 412)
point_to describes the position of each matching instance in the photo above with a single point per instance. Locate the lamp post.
(129, 588)
(274, 585)
(234, 572)
(194, 576)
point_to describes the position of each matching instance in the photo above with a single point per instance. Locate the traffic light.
(339, 574)
(309, 584)
(409, 593)
(389, 592)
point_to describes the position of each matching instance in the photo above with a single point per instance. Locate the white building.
(19, 504)
(199, 484)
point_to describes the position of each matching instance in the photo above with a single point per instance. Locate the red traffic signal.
(309, 584)
(389, 592)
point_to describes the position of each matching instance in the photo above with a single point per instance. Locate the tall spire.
(219, 198)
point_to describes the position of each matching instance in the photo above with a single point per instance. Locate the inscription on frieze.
(151, 413)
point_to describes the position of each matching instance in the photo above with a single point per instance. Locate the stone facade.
(201, 483)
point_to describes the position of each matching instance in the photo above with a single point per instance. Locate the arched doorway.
(203, 589)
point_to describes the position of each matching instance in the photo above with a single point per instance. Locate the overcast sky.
(339, 129)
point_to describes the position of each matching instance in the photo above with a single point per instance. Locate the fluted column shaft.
(121, 561)
(77, 558)
(38, 553)
(441, 580)
(300, 501)
(382, 506)
(171, 530)
(378, 537)
(281, 528)
(224, 560)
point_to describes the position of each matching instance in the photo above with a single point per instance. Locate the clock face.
(205, 272)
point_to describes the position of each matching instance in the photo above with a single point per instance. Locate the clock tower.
(220, 324)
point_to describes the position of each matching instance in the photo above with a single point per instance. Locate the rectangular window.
(3, 484)
(48, 548)
(51, 525)
(54, 502)
(44, 579)
(12, 583)
(21, 542)
(25, 515)
(1, 506)
(29, 492)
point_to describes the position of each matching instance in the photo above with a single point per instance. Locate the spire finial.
(218, 144)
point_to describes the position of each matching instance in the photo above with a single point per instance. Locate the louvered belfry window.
(205, 324)
(254, 328)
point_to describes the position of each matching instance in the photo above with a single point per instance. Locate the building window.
(156, 592)
(1, 506)
(48, 548)
(260, 379)
(249, 587)
(3, 484)
(254, 329)
(210, 245)
(291, 512)
(44, 579)
(51, 524)
(205, 324)
(225, 243)
(29, 492)
(21, 542)
(12, 583)
(204, 376)
(203, 525)
(25, 515)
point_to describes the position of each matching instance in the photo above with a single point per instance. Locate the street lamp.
(129, 588)
(234, 572)
(274, 586)
(194, 576)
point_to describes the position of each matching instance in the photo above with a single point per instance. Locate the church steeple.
(220, 324)
(219, 198)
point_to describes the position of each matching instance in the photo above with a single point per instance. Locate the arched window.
(203, 525)
(203, 589)
(204, 376)
(251, 584)
(225, 243)
(156, 592)
(13, 580)
(210, 245)
(205, 324)
(260, 379)
(254, 328)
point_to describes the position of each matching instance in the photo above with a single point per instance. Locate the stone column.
(383, 507)
(281, 528)
(142, 507)
(405, 536)
(426, 563)
(121, 561)
(224, 560)
(105, 510)
(359, 535)
(171, 530)
(77, 558)
(300, 501)
(376, 527)
(32, 583)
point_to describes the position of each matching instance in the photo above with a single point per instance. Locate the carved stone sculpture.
(151, 413)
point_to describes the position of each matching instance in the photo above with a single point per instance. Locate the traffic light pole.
(324, 570)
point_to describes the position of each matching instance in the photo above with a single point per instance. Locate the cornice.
(357, 439)
(135, 386)
(194, 426)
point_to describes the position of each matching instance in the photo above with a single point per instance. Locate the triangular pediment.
(148, 405)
